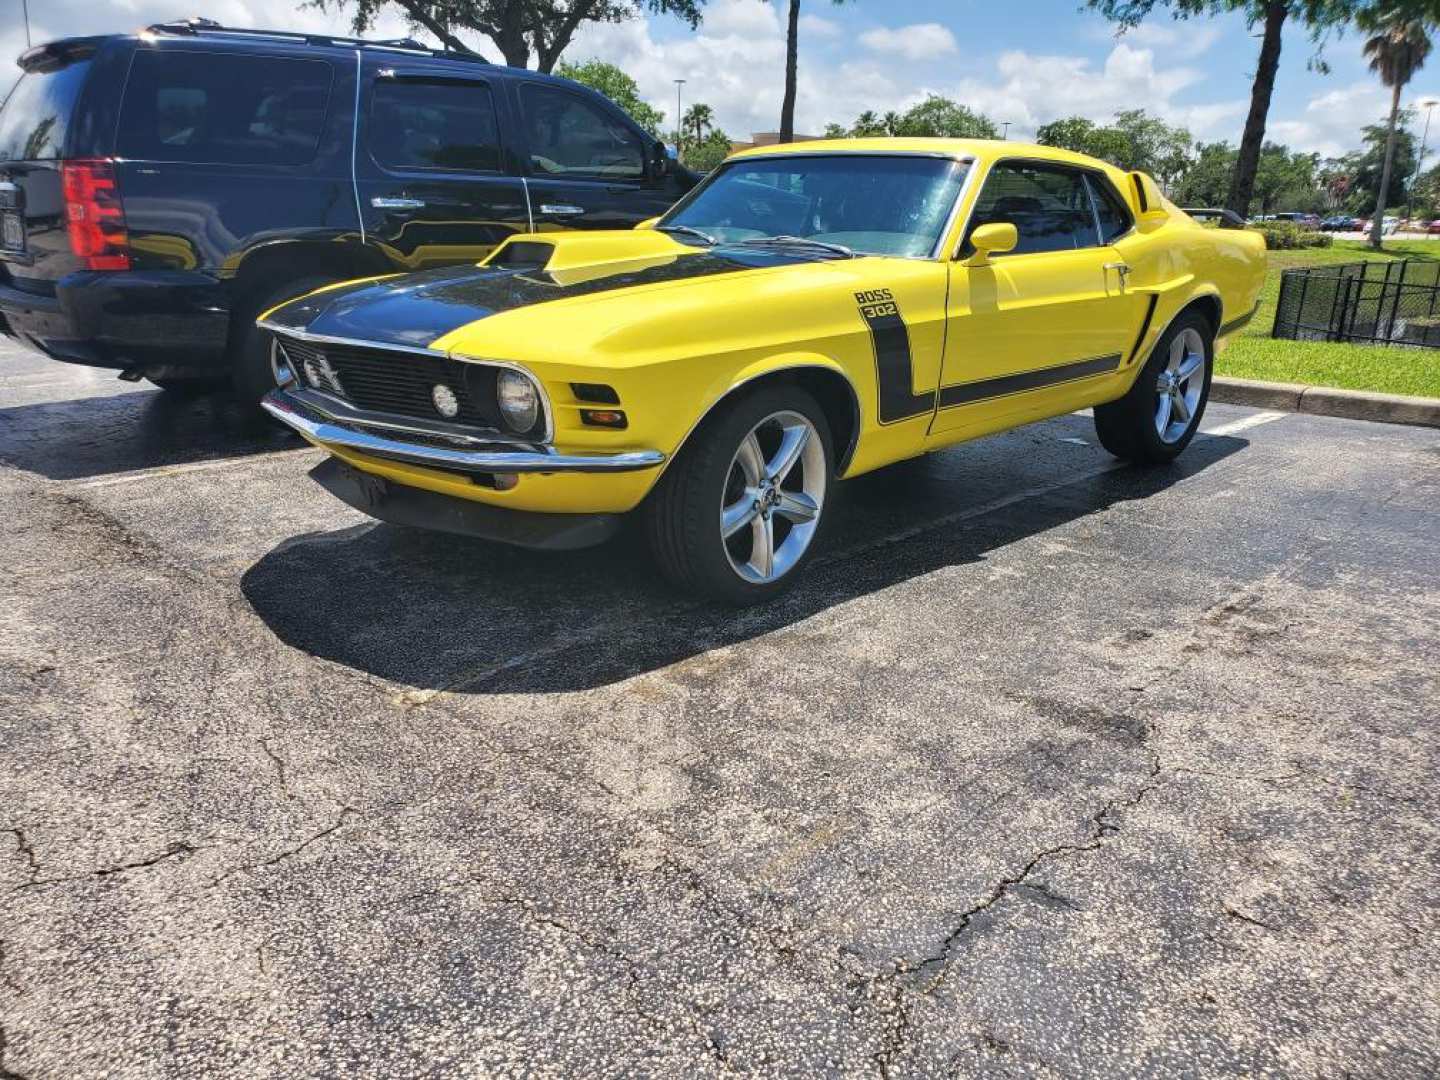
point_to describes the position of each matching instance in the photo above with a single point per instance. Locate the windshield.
(873, 204)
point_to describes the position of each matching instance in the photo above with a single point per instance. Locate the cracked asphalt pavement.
(1050, 767)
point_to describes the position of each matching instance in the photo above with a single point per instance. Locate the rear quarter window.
(223, 108)
(38, 112)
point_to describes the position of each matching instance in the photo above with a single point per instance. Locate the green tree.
(792, 54)
(704, 155)
(939, 117)
(1396, 49)
(1318, 16)
(1367, 167)
(1136, 140)
(836, 131)
(618, 87)
(520, 29)
(1207, 181)
(1285, 180)
(867, 125)
(699, 119)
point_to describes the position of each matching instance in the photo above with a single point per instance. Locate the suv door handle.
(560, 209)
(383, 202)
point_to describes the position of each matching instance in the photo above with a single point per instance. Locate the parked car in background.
(809, 312)
(159, 190)
(1339, 223)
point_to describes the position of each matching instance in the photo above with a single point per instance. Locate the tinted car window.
(434, 124)
(872, 203)
(223, 108)
(1114, 217)
(33, 122)
(1049, 207)
(568, 135)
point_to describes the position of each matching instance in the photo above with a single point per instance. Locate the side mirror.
(661, 160)
(994, 239)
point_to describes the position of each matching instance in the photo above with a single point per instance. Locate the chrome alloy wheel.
(774, 494)
(1178, 389)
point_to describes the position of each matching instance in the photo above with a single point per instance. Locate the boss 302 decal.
(894, 368)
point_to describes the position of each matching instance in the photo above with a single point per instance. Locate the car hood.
(416, 310)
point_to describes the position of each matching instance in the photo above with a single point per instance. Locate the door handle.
(384, 202)
(560, 210)
(1123, 269)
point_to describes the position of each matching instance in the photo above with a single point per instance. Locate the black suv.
(159, 191)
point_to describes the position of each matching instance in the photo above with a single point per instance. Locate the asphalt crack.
(179, 848)
(287, 853)
(27, 849)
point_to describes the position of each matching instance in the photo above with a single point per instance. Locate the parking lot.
(1049, 767)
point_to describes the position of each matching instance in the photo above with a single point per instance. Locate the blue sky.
(1027, 61)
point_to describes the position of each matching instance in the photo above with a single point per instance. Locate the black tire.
(251, 376)
(1129, 428)
(682, 514)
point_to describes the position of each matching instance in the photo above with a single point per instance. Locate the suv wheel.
(251, 372)
(736, 516)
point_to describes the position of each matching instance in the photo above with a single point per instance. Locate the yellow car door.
(1043, 328)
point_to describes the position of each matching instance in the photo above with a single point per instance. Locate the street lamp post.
(1428, 104)
(1006, 125)
(679, 142)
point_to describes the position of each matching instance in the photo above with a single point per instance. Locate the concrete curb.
(1328, 401)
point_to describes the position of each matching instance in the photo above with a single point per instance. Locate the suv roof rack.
(196, 25)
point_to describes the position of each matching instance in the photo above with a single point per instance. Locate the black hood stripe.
(417, 309)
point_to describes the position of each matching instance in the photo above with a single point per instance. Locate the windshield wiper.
(764, 241)
(688, 231)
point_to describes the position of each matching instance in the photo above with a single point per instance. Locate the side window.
(1114, 217)
(570, 136)
(223, 108)
(434, 124)
(1048, 206)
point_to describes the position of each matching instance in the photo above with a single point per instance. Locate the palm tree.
(891, 123)
(792, 47)
(1396, 51)
(698, 118)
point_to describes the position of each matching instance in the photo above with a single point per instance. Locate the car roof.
(964, 149)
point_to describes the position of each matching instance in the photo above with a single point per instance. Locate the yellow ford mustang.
(809, 312)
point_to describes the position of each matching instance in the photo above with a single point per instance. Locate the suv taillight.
(94, 214)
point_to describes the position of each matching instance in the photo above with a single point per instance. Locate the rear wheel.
(736, 516)
(252, 370)
(1156, 420)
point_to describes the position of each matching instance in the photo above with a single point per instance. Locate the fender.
(780, 366)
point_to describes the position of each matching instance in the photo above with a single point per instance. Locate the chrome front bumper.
(334, 424)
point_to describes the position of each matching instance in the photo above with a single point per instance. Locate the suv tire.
(250, 373)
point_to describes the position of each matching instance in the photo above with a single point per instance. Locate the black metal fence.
(1376, 303)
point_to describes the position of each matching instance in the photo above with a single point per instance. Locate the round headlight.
(519, 401)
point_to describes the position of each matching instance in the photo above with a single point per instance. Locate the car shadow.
(98, 436)
(435, 612)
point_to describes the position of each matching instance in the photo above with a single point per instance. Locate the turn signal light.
(94, 215)
(612, 418)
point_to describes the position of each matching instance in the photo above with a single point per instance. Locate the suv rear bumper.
(144, 319)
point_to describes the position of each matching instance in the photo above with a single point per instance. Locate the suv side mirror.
(994, 239)
(660, 160)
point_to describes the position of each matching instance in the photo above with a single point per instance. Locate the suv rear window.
(223, 108)
(37, 113)
(434, 124)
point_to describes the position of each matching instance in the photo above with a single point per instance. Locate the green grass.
(1254, 354)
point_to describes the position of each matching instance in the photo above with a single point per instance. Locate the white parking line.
(188, 467)
(1245, 423)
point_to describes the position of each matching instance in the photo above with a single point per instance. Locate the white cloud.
(1331, 123)
(920, 41)
(813, 26)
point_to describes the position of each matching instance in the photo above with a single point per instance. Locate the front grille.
(401, 383)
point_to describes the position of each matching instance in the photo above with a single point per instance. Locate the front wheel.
(1159, 416)
(736, 516)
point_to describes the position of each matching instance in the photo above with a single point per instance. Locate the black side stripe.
(1145, 326)
(984, 389)
(894, 368)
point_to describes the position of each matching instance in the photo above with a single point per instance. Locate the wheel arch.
(820, 377)
(264, 266)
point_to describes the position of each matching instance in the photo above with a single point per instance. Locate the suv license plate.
(12, 232)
